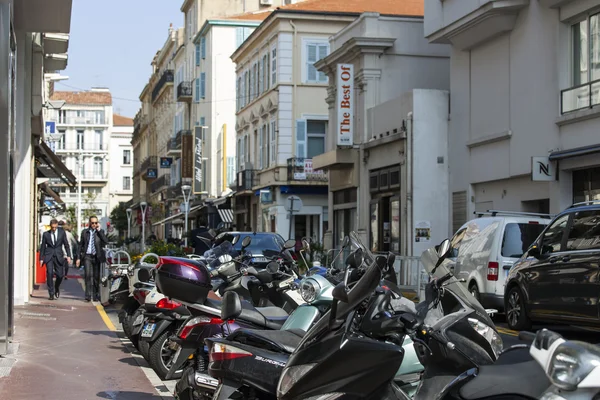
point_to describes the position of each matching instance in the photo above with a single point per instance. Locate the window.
(261, 66)
(203, 47)
(241, 34)
(197, 91)
(189, 22)
(99, 139)
(315, 52)
(315, 132)
(203, 85)
(553, 236)
(265, 145)
(98, 167)
(586, 184)
(126, 157)
(274, 66)
(238, 88)
(202, 121)
(246, 88)
(585, 231)
(518, 237)
(273, 144)
(126, 183)
(301, 138)
(80, 144)
(265, 72)
(254, 83)
(197, 54)
(586, 50)
(61, 142)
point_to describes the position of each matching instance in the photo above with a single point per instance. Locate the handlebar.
(526, 336)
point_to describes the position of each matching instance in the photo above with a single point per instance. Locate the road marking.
(507, 331)
(100, 308)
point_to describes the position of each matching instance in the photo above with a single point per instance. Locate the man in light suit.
(51, 254)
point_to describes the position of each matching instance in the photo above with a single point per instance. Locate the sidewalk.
(66, 351)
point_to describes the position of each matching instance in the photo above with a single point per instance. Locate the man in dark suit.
(91, 252)
(51, 254)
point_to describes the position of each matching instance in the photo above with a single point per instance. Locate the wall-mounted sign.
(166, 162)
(50, 128)
(187, 156)
(345, 104)
(265, 196)
(197, 186)
(151, 173)
(542, 169)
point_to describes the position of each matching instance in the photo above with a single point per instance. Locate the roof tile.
(87, 98)
(251, 16)
(120, 120)
(390, 7)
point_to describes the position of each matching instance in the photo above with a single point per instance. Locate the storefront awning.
(576, 152)
(52, 200)
(50, 165)
(178, 215)
(226, 215)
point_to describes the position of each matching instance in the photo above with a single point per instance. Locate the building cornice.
(218, 22)
(351, 49)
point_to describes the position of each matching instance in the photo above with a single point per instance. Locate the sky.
(112, 43)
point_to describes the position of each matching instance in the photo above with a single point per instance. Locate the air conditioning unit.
(266, 2)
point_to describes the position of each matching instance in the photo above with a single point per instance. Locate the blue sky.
(112, 44)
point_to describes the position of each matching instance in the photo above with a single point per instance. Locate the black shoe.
(57, 294)
(88, 300)
(66, 278)
(51, 297)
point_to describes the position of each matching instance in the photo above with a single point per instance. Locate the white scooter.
(573, 367)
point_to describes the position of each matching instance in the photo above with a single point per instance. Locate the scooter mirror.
(444, 248)
(289, 244)
(272, 267)
(235, 239)
(246, 242)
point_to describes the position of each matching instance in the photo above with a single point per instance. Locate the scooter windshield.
(429, 259)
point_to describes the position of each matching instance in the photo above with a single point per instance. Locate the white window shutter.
(273, 143)
(260, 77)
(301, 138)
(274, 66)
(311, 58)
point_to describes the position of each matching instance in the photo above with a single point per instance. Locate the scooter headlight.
(309, 289)
(489, 334)
(290, 376)
(571, 363)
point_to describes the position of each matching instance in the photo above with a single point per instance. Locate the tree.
(89, 209)
(118, 218)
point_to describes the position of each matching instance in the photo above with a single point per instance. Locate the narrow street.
(68, 349)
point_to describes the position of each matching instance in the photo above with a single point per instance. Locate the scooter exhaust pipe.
(205, 381)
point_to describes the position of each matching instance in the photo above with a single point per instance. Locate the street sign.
(166, 162)
(293, 204)
(345, 104)
(542, 169)
(50, 128)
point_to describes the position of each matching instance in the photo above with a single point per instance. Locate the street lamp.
(129, 211)
(186, 190)
(143, 206)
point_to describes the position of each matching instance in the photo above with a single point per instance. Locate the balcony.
(185, 92)
(71, 147)
(149, 168)
(246, 180)
(161, 183)
(83, 121)
(167, 78)
(174, 192)
(94, 176)
(301, 169)
(173, 147)
(580, 97)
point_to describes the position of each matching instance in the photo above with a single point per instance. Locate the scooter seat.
(267, 317)
(526, 379)
(282, 341)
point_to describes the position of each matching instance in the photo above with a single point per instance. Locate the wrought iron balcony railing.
(166, 78)
(185, 91)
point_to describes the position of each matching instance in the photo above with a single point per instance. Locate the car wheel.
(516, 316)
(474, 290)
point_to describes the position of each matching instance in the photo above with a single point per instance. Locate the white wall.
(120, 140)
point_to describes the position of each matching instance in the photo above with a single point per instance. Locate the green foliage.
(90, 206)
(158, 212)
(163, 248)
(118, 218)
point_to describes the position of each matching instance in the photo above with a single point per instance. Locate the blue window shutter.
(301, 138)
(202, 121)
(197, 97)
(203, 47)
(202, 84)
(197, 54)
(239, 37)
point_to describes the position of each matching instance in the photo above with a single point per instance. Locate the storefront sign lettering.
(345, 104)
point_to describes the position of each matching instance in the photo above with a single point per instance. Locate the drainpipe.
(294, 82)
(409, 184)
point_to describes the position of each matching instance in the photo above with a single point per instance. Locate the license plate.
(138, 320)
(115, 285)
(148, 330)
(259, 260)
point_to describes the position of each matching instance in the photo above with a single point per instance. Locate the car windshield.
(518, 237)
(261, 242)
(429, 259)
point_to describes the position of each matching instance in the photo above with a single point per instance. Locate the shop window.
(586, 185)
(374, 227)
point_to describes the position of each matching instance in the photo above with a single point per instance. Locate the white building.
(84, 125)
(121, 161)
(523, 84)
(390, 181)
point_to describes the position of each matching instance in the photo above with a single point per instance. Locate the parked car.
(557, 279)
(485, 249)
(264, 245)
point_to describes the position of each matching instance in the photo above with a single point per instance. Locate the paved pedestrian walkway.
(67, 351)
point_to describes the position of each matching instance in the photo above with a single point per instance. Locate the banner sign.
(345, 104)
(197, 186)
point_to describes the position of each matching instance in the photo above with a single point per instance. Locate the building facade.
(33, 47)
(381, 182)
(524, 138)
(84, 125)
(120, 162)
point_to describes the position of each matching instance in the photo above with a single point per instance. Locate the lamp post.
(186, 190)
(143, 206)
(129, 211)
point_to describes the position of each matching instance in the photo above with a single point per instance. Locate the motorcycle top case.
(183, 279)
